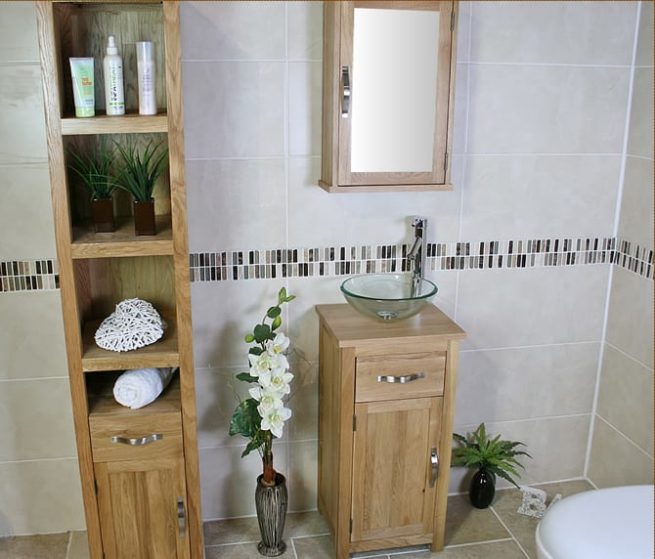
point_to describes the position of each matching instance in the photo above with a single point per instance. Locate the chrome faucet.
(417, 254)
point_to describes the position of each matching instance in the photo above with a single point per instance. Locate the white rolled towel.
(140, 387)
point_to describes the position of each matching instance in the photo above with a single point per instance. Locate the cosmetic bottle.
(145, 65)
(112, 66)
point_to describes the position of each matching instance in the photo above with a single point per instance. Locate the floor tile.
(322, 547)
(241, 551)
(496, 550)
(466, 524)
(309, 523)
(523, 527)
(79, 546)
(47, 546)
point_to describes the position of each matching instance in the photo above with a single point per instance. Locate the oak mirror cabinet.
(388, 74)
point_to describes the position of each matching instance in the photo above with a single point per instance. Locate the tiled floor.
(495, 533)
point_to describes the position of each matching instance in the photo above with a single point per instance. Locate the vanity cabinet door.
(142, 506)
(394, 472)
(387, 115)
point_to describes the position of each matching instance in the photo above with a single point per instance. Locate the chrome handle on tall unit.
(404, 379)
(138, 441)
(181, 516)
(345, 84)
(434, 466)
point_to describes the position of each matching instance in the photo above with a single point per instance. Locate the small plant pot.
(482, 489)
(271, 505)
(144, 218)
(102, 213)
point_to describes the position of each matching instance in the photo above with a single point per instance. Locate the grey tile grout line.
(68, 546)
(493, 510)
(293, 547)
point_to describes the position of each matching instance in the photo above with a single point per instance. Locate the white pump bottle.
(112, 66)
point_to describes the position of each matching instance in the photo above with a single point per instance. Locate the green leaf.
(246, 420)
(255, 351)
(281, 296)
(249, 338)
(273, 312)
(277, 322)
(246, 377)
(289, 298)
(252, 445)
(262, 333)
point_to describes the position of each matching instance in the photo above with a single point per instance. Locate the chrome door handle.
(345, 81)
(404, 379)
(434, 466)
(181, 516)
(138, 441)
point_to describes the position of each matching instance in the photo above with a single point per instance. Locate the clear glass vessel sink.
(387, 296)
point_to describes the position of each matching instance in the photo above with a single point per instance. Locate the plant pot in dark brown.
(102, 212)
(144, 217)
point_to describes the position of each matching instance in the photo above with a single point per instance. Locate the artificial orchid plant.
(261, 417)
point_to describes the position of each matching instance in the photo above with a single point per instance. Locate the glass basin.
(387, 296)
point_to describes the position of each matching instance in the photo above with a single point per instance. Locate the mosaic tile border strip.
(29, 275)
(347, 260)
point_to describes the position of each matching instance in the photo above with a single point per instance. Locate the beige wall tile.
(301, 473)
(224, 195)
(27, 221)
(645, 44)
(40, 497)
(232, 30)
(626, 397)
(557, 305)
(557, 446)
(20, 89)
(37, 420)
(553, 32)
(616, 461)
(233, 109)
(305, 30)
(32, 344)
(636, 222)
(640, 139)
(630, 319)
(547, 109)
(305, 101)
(303, 401)
(509, 384)
(18, 38)
(532, 197)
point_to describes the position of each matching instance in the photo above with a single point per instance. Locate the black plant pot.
(482, 489)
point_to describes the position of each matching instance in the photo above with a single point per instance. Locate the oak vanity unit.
(386, 397)
(139, 468)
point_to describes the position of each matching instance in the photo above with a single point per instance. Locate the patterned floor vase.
(271, 504)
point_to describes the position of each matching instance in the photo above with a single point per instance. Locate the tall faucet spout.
(417, 254)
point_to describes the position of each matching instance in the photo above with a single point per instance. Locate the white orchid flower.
(266, 362)
(274, 420)
(277, 345)
(276, 381)
(268, 400)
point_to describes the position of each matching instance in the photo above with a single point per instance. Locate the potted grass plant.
(492, 457)
(141, 169)
(93, 168)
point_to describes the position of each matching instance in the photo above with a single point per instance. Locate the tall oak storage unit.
(141, 500)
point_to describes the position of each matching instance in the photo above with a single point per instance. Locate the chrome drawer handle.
(434, 465)
(402, 379)
(181, 516)
(345, 80)
(138, 441)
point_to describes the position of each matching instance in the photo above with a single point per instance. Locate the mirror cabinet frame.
(338, 31)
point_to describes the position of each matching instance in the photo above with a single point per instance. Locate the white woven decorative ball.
(134, 324)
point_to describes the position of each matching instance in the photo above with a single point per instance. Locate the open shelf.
(123, 241)
(102, 403)
(103, 124)
(163, 353)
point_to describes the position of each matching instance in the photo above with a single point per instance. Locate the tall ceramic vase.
(271, 504)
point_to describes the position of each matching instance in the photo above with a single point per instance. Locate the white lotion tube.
(112, 66)
(145, 65)
(83, 86)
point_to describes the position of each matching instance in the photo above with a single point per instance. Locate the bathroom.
(552, 142)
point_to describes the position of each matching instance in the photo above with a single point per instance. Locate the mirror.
(394, 86)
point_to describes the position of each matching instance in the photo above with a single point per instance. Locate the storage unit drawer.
(389, 377)
(141, 437)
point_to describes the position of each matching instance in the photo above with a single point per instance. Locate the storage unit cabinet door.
(394, 475)
(143, 509)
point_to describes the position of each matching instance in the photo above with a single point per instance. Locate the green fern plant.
(94, 170)
(499, 457)
(141, 169)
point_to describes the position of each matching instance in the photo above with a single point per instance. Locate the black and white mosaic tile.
(335, 261)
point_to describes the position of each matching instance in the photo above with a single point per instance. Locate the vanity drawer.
(389, 377)
(142, 437)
